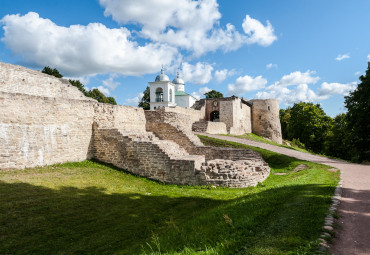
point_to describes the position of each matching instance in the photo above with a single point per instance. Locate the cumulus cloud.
(110, 83)
(190, 25)
(328, 89)
(271, 65)
(200, 73)
(257, 32)
(221, 75)
(368, 57)
(298, 77)
(245, 84)
(104, 90)
(300, 90)
(200, 93)
(357, 73)
(82, 50)
(340, 57)
(135, 100)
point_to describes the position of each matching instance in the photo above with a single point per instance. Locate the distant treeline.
(345, 136)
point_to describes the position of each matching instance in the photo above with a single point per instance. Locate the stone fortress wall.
(44, 120)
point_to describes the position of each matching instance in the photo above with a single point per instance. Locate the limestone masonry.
(45, 120)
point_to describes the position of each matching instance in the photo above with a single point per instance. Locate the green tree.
(339, 141)
(308, 123)
(111, 100)
(50, 71)
(214, 94)
(358, 115)
(145, 100)
(79, 85)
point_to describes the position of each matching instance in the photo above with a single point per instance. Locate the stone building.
(229, 115)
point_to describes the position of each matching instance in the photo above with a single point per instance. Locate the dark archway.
(215, 116)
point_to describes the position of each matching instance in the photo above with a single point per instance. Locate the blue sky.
(294, 51)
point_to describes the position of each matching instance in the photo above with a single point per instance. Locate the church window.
(171, 95)
(159, 95)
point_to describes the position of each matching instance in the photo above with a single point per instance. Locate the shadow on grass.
(39, 220)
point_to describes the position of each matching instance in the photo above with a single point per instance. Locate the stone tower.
(265, 119)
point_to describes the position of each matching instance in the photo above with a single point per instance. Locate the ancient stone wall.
(265, 119)
(18, 79)
(194, 115)
(37, 131)
(209, 127)
(45, 120)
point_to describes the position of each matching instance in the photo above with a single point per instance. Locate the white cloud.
(340, 57)
(110, 83)
(257, 32)
(245, 84)
(200, 93)
(135, 100)
(82, 50)
(368, 57)
(298, 77)
(221, 75)
(102, 89)
(334, 88)
(290, 96)
(357, 73)
(300, 90)
(190, 25)
(200, 73)
(271, 65)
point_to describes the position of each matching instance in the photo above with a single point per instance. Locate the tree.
(79, 85)
(308, 123)
(145, 100)
(358, 115)
(339, 141)
(54, 72)
(214, 94)
(111, 100)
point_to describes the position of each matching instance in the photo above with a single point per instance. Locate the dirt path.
(353, 234)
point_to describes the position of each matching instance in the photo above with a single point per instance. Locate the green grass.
(257, 138)
(91, 208)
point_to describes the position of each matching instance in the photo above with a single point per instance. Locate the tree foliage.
(214, 94)
(308, 123)
(50, 71)
(358, 115)
(94, 93)
(145, 100)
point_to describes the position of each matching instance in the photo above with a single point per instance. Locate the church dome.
(162, 76)
(178, 79)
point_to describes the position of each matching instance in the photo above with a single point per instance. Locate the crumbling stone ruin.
(45, 120)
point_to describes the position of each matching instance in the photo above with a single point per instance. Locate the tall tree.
(358, 115)
(50, 71)
(214, 94)
(308, 123)
(145, 100)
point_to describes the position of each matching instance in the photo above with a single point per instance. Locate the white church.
(164, 93)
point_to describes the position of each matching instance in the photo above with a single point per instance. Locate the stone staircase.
(146, 155)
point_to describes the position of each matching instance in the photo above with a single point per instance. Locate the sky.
(291, 50)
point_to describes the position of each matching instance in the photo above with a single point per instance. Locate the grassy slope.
(254, 137)
(89, 208)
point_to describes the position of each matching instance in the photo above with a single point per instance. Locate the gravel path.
(353, 234)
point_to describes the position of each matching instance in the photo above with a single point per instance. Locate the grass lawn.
(91, 208)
